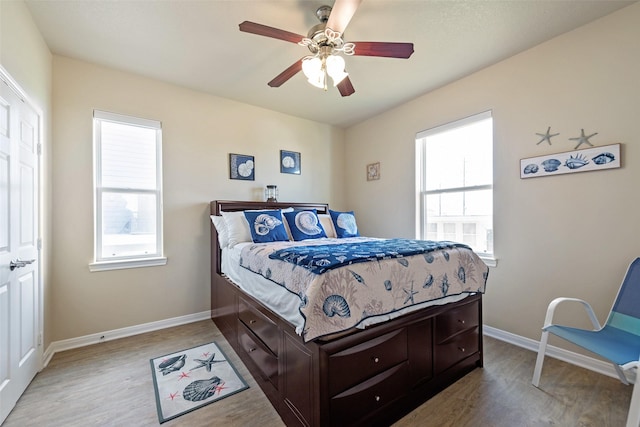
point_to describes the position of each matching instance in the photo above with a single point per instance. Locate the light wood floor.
(110, 384)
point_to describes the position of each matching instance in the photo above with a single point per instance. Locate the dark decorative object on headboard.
(271, 193)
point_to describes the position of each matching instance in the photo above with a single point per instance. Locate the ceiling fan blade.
(286, 74)
(341, 13)
(264, 30)
(345, 87)
(385, 49)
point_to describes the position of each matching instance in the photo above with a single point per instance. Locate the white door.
(20, 350)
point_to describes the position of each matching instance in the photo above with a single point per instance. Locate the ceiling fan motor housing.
(323, 13)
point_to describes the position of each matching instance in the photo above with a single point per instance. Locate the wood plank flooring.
(109, 384)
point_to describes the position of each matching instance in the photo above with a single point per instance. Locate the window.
(455, 183)
(128, 191)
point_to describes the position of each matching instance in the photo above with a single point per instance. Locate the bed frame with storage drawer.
(363, 377)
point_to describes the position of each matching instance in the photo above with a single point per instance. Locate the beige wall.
(565, 235)
(569, 235)
(199, 131)
(27, 59)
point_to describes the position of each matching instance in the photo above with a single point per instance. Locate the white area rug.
(192, 378)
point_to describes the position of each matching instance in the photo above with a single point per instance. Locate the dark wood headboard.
(218, 206)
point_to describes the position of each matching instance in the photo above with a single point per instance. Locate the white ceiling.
(197, 44)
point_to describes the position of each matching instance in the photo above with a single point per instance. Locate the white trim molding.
(57, 346)
(571, 357)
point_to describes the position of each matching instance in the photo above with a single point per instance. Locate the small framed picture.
(373, 171)
(241, 167)
(289, 162)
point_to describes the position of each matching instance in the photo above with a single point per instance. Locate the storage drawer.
(261, 325)
(350, 366)
(456, 321)
(259, 353)
(456, 349)
(369, 396)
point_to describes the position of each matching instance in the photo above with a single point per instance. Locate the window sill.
(489, 260)
(128, 263)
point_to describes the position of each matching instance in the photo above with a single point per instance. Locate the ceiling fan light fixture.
(335, 68)
(326, 44)
(318, 81)
(312, 67)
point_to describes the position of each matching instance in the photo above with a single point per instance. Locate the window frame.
(101, 263)
(422, 193)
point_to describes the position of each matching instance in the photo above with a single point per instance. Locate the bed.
(374, 360)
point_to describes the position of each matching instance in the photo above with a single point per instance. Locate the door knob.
(18, 263)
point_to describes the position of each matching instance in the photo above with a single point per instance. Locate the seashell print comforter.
(342, 296)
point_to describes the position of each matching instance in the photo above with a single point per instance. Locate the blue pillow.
(266, 226)
(344, 223)
(305, 225)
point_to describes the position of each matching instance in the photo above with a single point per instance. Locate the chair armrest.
(552, 308)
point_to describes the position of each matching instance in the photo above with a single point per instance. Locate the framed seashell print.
(290, 162)
(588, 159)
(241, 167)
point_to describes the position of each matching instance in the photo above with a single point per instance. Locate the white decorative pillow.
(237, 227)
(221, 228)
(327, 224)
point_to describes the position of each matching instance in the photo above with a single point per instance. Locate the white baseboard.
(57, 346)
(517, 340)
(577, 359)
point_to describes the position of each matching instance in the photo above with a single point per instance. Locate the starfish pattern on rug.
(206, 363)
(191, 388)
(220, 387)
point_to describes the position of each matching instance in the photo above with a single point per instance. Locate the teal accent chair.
(618, 341)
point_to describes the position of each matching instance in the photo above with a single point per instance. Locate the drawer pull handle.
(252, 349)
(252, 321)
(462, 349)
(461, 321)
(376, 359)
(377, 398)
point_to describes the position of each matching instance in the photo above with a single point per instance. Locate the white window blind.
(128, 191)
(455, 183)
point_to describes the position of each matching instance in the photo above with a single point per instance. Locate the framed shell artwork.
(290, 162)
(242, 167)
(589, 159)
(373, 171)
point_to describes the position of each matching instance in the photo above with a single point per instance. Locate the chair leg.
(541, 351)
(633, 418)
(621, 375)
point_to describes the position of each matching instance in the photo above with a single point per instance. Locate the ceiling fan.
(326, 45)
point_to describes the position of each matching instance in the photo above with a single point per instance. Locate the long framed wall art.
(589, 159)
